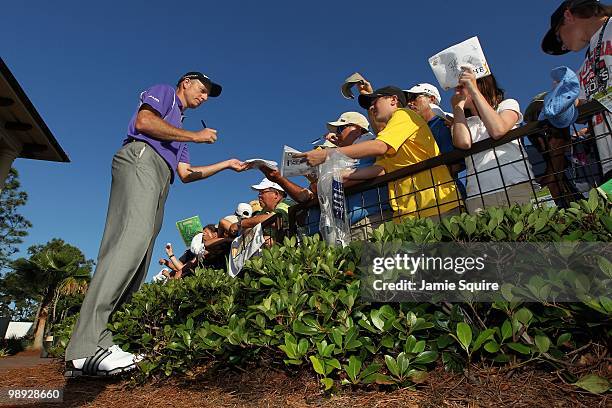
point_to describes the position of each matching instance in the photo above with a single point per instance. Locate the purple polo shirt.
(164, 100)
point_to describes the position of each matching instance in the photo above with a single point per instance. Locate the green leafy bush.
(299, 306)
(61, 335)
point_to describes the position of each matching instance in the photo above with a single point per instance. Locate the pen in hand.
(211, 138)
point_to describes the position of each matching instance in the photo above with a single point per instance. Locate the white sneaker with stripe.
(105, 362)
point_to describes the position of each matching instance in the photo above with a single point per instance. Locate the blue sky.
(281, 64)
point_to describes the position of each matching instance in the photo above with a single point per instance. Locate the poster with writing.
(446, 65)
(188, 228)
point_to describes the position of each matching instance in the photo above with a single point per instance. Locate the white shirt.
(513, 173)
(587, 89)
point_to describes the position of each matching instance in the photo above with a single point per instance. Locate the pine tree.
(13, 226)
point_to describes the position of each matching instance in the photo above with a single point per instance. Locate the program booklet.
(188, 228)
(292, 166)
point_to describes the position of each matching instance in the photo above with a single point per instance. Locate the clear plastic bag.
(334, 224)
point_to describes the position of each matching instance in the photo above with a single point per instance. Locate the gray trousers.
(139, 188)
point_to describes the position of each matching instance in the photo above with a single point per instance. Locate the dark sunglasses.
(340, 129)
(413, 97)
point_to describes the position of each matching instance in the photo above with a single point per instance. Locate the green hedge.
(299, 306)
(61, 335)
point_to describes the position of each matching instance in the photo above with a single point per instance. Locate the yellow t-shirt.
(410, 141)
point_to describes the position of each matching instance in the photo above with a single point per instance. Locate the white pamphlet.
(271, 164)
(293, 166)
(447, 64)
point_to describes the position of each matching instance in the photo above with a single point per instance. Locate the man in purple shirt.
(142, 171)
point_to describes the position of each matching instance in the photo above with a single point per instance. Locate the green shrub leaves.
(300, 304)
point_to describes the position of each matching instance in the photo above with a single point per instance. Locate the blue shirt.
(442, 134)
(444, 139)
(369, 202)
(164, 100)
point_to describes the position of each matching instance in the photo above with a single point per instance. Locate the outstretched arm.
(189, 173)
(250, 222)
(174, 263)
(298, 193)
(188, 265)
(368, 148)
(360, 175)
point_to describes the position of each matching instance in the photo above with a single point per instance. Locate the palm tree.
(56, 269)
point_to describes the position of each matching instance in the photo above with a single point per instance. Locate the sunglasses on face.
(340, 129)
(414, 97)
(376, 98)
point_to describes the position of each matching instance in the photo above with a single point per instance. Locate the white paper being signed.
(263, 163)
(447, 64)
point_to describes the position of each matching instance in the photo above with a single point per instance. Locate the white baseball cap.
(160, 277)
(244, 210)
(265, 183)
(427, 89)
(197, 245)
(349, 118)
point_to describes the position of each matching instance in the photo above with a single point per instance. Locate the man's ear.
(568, 17)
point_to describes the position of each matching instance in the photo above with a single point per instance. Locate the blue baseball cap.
(559, 104)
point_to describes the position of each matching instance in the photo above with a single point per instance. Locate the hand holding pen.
(206, 135)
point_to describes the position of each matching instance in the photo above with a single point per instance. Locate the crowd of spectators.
(406, 127)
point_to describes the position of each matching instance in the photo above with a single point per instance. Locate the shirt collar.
(178, 102)
(180, 106)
